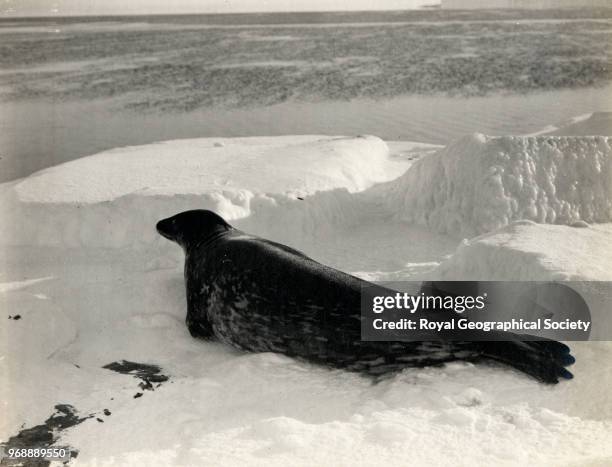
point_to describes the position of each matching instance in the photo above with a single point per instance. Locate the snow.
(190, 166)
(597, 123)
(234, 177)
(528, 251)
(480, 183)
(94, 284)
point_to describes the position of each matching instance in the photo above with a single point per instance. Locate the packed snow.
(597, 123)
(86, 281)
(479, 183)
(528, 251)
(131, 188)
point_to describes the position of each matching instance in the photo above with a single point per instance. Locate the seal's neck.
(211, 237)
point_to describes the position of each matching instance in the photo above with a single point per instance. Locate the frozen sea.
(71, 87)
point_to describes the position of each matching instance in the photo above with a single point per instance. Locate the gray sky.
(101, 7)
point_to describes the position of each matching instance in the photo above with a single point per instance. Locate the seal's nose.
(164, 228)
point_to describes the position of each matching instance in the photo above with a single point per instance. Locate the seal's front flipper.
(197, 321)
(199, 329)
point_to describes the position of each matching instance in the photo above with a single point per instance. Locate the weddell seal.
(260, 296)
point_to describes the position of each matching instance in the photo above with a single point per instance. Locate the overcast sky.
(102, 7)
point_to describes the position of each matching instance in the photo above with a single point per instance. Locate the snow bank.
(597, 123)
(526, 251)
(192, 166)
(480, 183)
(113, 199)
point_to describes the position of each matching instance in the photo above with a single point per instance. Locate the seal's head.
(191, 227)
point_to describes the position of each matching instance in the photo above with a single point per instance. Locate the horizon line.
(431, 7)
(3, 15)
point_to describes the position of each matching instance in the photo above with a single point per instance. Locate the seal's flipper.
(199, 328)
(544, 360)
(197, 321)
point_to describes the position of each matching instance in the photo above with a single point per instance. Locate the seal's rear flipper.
(544, 360)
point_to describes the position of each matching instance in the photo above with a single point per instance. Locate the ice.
(528, 251)
(196, 166)
(597, 123)
(114, 198)
(93, 284)
(480, 183)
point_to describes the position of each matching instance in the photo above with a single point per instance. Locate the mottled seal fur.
(261, 296)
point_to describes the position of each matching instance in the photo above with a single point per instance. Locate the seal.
(261, 296)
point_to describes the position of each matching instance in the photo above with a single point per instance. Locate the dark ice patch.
(43, 436)
(149, 374)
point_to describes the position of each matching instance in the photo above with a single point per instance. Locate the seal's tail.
(544, 360)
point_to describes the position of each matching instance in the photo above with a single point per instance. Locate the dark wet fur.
(261, 296)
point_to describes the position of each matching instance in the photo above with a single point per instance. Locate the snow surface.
(112, 199)
(93, 284)
(528, 251)
(596, 123)
(191, 166)
(480, 183)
